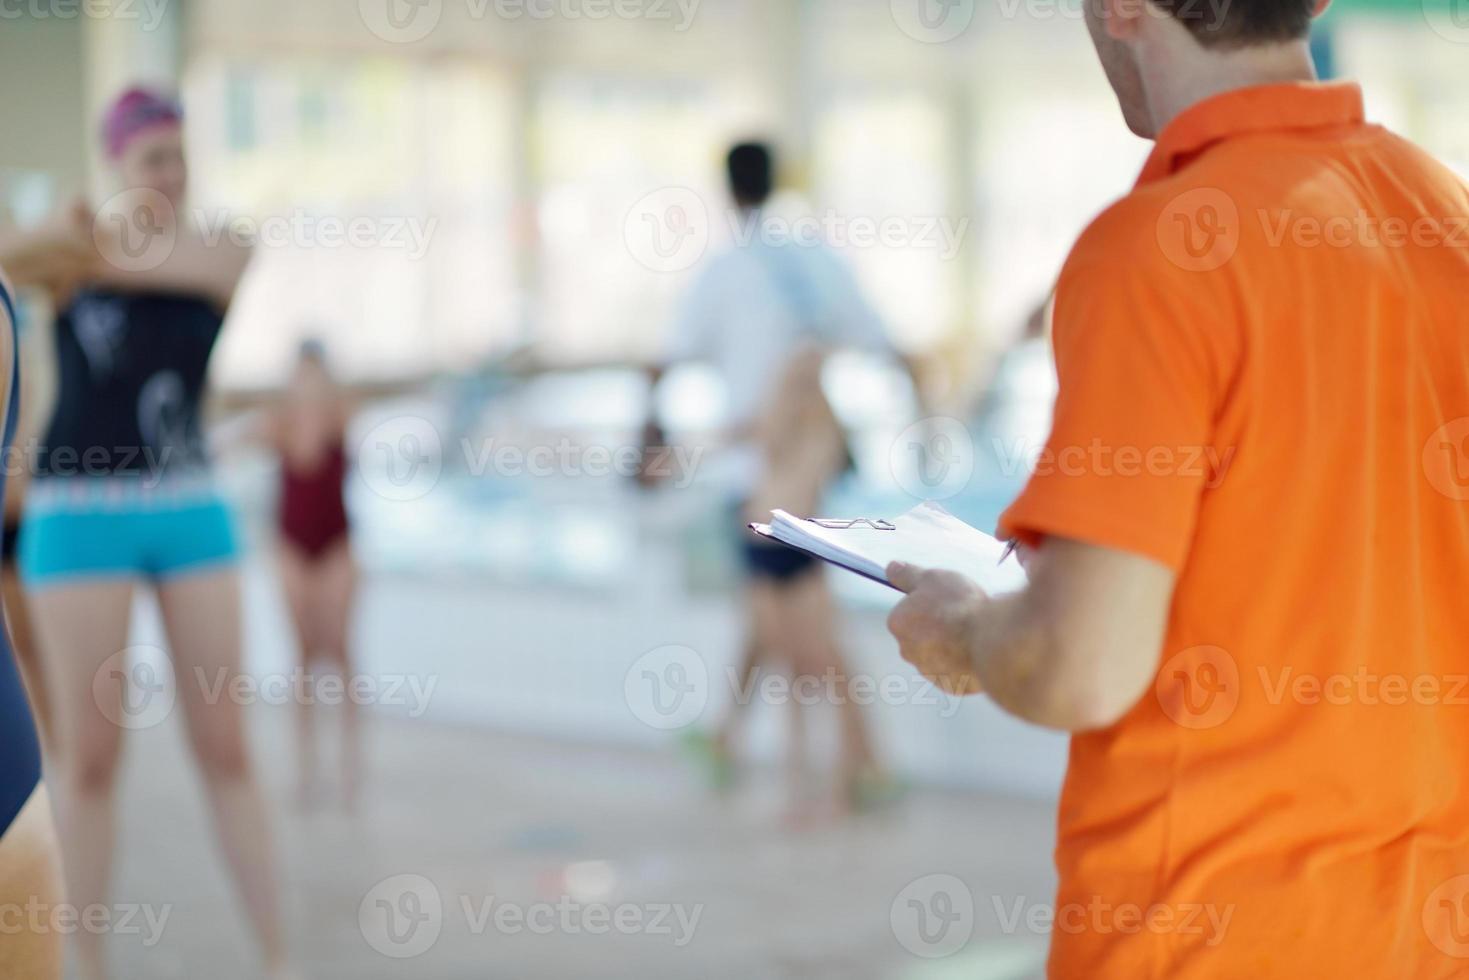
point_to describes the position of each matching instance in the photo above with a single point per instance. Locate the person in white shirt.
(764, 314)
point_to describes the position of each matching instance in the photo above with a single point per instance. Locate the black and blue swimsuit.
(20, 750)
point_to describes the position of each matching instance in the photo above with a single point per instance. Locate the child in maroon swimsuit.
(317, 566)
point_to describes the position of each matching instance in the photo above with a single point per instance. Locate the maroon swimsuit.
(313, 513)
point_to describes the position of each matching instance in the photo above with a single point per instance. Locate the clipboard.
(764, 531)
(927, 536)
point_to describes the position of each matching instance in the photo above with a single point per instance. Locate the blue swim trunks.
(112, 527)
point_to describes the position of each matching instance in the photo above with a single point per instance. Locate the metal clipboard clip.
(839, 525)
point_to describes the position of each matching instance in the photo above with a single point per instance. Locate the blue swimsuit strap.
(20, 751)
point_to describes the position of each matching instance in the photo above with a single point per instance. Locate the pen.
(1011, 547)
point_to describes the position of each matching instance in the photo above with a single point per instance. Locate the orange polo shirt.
(1264, 364)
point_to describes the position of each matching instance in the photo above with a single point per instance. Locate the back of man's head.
(751, 174)
(1225, 24)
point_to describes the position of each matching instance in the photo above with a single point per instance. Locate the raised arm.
(55, 257)
(190, 265)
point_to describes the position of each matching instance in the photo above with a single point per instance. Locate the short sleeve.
(854, 323)
(696, 321)
(1142, 358)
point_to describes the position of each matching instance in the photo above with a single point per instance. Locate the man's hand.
(934, 625)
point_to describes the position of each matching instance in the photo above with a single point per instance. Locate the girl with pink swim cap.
(136, 327)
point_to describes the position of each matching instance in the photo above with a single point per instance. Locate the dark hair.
(751, 173)
(312, 349)
(1242, 23)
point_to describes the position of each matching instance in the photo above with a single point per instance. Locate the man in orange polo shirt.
(1250, 531)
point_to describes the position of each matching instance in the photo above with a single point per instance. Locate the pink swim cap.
(136, 111)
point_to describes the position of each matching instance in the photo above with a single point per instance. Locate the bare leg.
(336, 592)
(202, 616)
(79, 628)
(767, 601)
(751, 660)
(30, 873)
(299, 585)
(18, 614)
(811, 622)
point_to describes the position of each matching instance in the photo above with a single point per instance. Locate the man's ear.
(1122, 18)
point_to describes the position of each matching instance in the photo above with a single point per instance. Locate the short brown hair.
(1241, 23)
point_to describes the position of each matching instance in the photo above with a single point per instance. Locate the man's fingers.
(903, 576)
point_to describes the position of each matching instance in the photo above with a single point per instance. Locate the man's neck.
(1226, 72)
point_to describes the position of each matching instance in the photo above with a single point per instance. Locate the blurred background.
(471, 202)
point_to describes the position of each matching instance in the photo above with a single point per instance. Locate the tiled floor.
(482, 856)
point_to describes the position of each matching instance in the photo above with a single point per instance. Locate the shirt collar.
(1257, 109)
